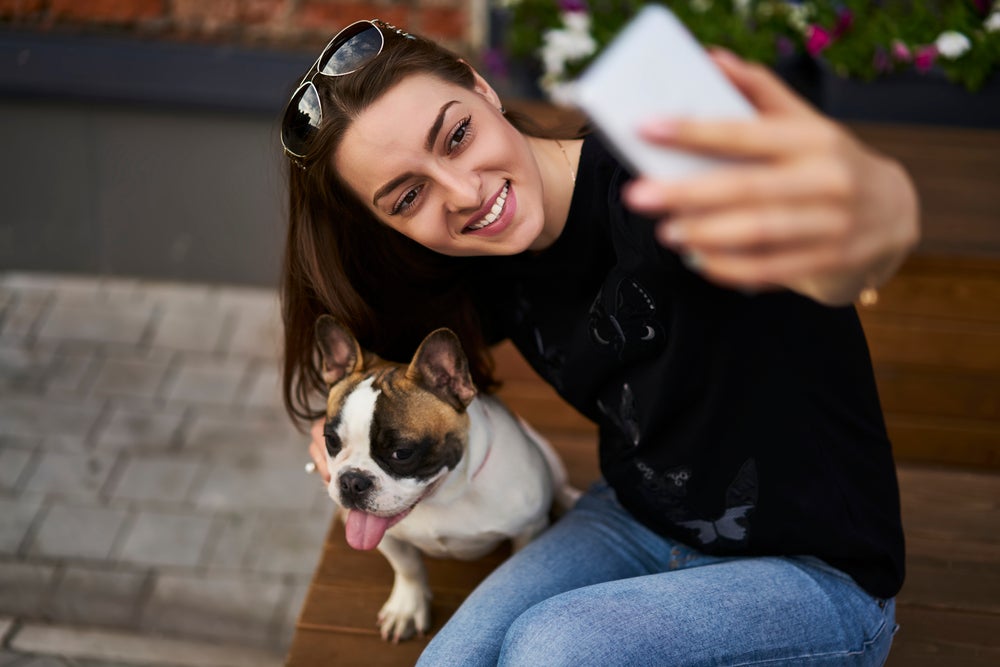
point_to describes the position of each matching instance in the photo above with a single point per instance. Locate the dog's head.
(392, 431)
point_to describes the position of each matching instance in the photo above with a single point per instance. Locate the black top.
(737, 423)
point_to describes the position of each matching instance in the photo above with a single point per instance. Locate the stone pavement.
(153, 504)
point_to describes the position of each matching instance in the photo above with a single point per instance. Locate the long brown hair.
(340, 259)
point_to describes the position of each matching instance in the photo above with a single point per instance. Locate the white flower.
(798, 17)
(564, 45)
(952, 44)
(992, 22)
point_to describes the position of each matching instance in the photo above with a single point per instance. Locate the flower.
(854, 38)
(952, 44)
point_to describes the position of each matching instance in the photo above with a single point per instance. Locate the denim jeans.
(598, 588)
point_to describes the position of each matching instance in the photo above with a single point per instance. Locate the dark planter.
(911, 97)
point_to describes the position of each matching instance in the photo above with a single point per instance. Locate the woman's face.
(442, 166)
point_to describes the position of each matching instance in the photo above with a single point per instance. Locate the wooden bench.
(935, 341)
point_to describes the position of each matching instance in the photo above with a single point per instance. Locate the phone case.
(655, 68)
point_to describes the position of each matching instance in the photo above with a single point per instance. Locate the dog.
(420, 462)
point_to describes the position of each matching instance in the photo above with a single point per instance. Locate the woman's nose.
(463, 190)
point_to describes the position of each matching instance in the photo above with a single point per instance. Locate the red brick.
(444, 23)
(264, 11)
(206, 16)
(20, 8)
(332, 16)
(106, 11)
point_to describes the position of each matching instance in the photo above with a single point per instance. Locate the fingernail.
(641, 193)
(658, 129)
(674, 234)
(693, 261)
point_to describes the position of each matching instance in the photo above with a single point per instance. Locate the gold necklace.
(572, 172)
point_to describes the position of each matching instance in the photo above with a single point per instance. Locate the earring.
(502, 110)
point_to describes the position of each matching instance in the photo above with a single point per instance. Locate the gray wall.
(114, 175)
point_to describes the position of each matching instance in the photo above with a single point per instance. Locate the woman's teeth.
(494, 213)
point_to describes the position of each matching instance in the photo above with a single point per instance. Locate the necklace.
(572, 172)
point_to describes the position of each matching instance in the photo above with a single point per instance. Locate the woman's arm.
(812, 209)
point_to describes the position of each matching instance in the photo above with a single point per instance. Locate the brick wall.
(273, 23)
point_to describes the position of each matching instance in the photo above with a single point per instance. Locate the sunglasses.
(350, 49)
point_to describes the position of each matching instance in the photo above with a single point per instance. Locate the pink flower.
(901, 51)
(817, 39)
(845, 19)
(925, 57)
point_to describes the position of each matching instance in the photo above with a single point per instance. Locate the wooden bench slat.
(932, 638)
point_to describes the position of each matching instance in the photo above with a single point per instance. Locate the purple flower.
(817, 39)
(845, 19)
(785, 46)
(982, 6)
(901, 52)
(881, 60)
(495, 62)
(573, 5)
(925, 57)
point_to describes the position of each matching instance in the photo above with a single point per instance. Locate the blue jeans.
(598, 588)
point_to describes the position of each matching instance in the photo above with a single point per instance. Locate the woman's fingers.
(317, 449)
(764, 90)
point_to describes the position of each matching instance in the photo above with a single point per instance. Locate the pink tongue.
(365, 531)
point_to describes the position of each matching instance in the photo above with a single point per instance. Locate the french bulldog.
(420, 462)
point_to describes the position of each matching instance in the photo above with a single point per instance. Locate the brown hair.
(340, 259)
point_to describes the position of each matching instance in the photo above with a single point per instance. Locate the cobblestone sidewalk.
(151, 485)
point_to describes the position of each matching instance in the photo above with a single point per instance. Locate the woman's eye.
(407, 200)
(460, 135)
(402, 454)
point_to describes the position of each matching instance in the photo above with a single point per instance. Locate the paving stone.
(73, 531)
(166, 539)
(68, 372)
(23, 365)
(18, 515)
(23, 316)
(257, 330)
(32, 416)
(24, 586)
(265, 389)
(97, 321)
(203, 380)
(133, 378)
(97, 596)
(289, 543)
(229, 608)
(137, 428)
(227, 435)
(13, 462)
(253, 481)
(73, 476)
(156, 478)
(89, 647)
(232, 537)
(187, 326)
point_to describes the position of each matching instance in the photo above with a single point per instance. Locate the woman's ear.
(484, 88)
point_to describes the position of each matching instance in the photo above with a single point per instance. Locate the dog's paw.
(406, 612)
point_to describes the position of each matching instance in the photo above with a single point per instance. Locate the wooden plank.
(933, 637)
(940, 392)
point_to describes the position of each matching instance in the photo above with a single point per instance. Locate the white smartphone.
(654, 68)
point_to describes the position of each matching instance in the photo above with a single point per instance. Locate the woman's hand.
(317, 449)
(812, 209)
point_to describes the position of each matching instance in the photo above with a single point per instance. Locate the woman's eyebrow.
(428, 145)
(436, 127)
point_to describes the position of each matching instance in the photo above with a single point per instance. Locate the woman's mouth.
(494, 213)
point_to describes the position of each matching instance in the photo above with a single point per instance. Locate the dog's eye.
(332, 443)
(402, 454)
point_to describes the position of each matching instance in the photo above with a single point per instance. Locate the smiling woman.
(749, 508)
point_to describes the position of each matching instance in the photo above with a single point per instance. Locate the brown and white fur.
(420, 462)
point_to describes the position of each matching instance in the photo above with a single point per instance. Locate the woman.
(749, 510)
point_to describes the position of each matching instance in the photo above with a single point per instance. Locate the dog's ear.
(441, 367)
(340, 350)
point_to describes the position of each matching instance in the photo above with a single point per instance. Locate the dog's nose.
(354, 484)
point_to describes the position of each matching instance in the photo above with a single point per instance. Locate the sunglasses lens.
(302, 119)
(353, 47)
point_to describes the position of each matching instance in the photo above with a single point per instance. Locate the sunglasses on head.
(350, 49)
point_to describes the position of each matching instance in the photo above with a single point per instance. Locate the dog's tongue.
(365, 531)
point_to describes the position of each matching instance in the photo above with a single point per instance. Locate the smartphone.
(655, 68)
